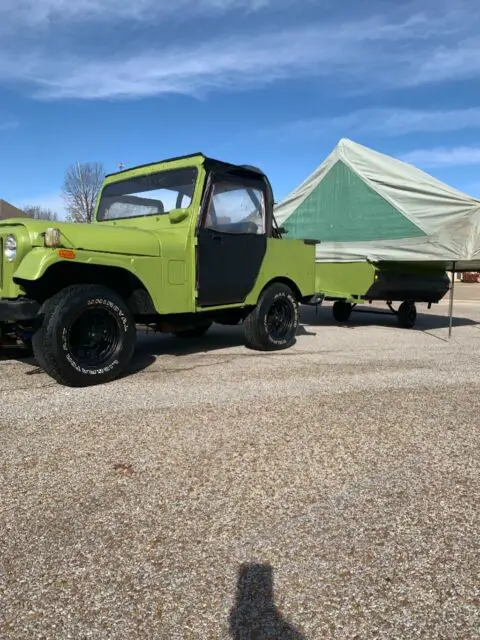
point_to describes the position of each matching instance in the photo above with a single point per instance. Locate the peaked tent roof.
(364, 205)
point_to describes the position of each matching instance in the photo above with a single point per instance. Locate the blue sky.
(274, 83)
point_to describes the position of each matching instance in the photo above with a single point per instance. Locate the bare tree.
(81, 186)
(40, 213)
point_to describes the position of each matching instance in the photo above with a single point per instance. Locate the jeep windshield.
(147, 195)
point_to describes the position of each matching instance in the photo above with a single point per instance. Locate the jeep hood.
(91, 237)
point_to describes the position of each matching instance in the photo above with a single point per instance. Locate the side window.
(235, 208)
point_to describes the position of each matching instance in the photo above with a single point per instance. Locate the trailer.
(354, 287)
(387, 232)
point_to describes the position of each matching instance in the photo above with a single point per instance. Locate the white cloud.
(444, 157)
(460, 60)
(393, 122)
(35, 13)
(214, 64)
(348, 52)
(386, 122)
(399, 46)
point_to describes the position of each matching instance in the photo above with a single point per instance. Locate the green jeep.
(175, 246)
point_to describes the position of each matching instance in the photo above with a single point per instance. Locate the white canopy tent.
(364, 205)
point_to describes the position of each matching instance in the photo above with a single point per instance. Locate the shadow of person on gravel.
(254, 615)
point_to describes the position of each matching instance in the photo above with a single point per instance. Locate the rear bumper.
(18, 310)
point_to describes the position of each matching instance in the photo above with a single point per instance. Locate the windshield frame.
(193, 170)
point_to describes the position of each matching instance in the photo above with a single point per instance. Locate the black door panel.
(228, 265)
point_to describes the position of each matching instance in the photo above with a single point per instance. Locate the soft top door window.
(236, 208)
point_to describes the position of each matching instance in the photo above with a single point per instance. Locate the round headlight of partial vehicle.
(10, 248)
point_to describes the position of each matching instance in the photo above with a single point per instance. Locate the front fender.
(38, 261)
(35, 264)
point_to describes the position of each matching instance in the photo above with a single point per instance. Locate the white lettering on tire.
(94, 372)
(111, 305)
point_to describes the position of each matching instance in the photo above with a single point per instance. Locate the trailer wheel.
(87, 336)
(195, 332)
(273, 323)
(342, 311)
(407, 315)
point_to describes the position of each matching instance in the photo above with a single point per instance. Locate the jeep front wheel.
(87, 336)
(273, 324)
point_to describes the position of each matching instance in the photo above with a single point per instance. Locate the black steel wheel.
(279, 318)
(273, 323)
(407, 315)
(93, 337)
(342, 311)
(87, 336)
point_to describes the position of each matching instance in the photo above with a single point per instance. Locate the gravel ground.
(329, 491)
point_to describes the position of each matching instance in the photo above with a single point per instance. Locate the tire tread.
(43, 341)
(254, 337)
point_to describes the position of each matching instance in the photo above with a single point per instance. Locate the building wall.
(7, 210)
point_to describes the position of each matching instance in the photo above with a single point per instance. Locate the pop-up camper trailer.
(387, 231)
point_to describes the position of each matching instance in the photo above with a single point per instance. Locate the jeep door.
(232, 240)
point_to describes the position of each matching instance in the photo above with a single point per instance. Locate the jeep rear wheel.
(87, 336)
(273, 324)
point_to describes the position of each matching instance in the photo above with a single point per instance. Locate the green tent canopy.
(364, 205)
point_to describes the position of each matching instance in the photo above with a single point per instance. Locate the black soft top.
(210, 163)
(220, 167)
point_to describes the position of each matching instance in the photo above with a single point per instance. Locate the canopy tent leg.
(452, 295)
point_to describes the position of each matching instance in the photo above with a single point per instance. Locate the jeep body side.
(175, 245)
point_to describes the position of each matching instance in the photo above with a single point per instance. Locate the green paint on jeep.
(159, 250)
(288, 260)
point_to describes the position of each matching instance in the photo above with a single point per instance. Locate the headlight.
(10, 248)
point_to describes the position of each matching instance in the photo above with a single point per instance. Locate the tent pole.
(452, 293)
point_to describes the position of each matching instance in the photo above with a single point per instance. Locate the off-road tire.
(341, 311)
(261, 332)
(54, 341)
(195, 332)
(407, 315)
